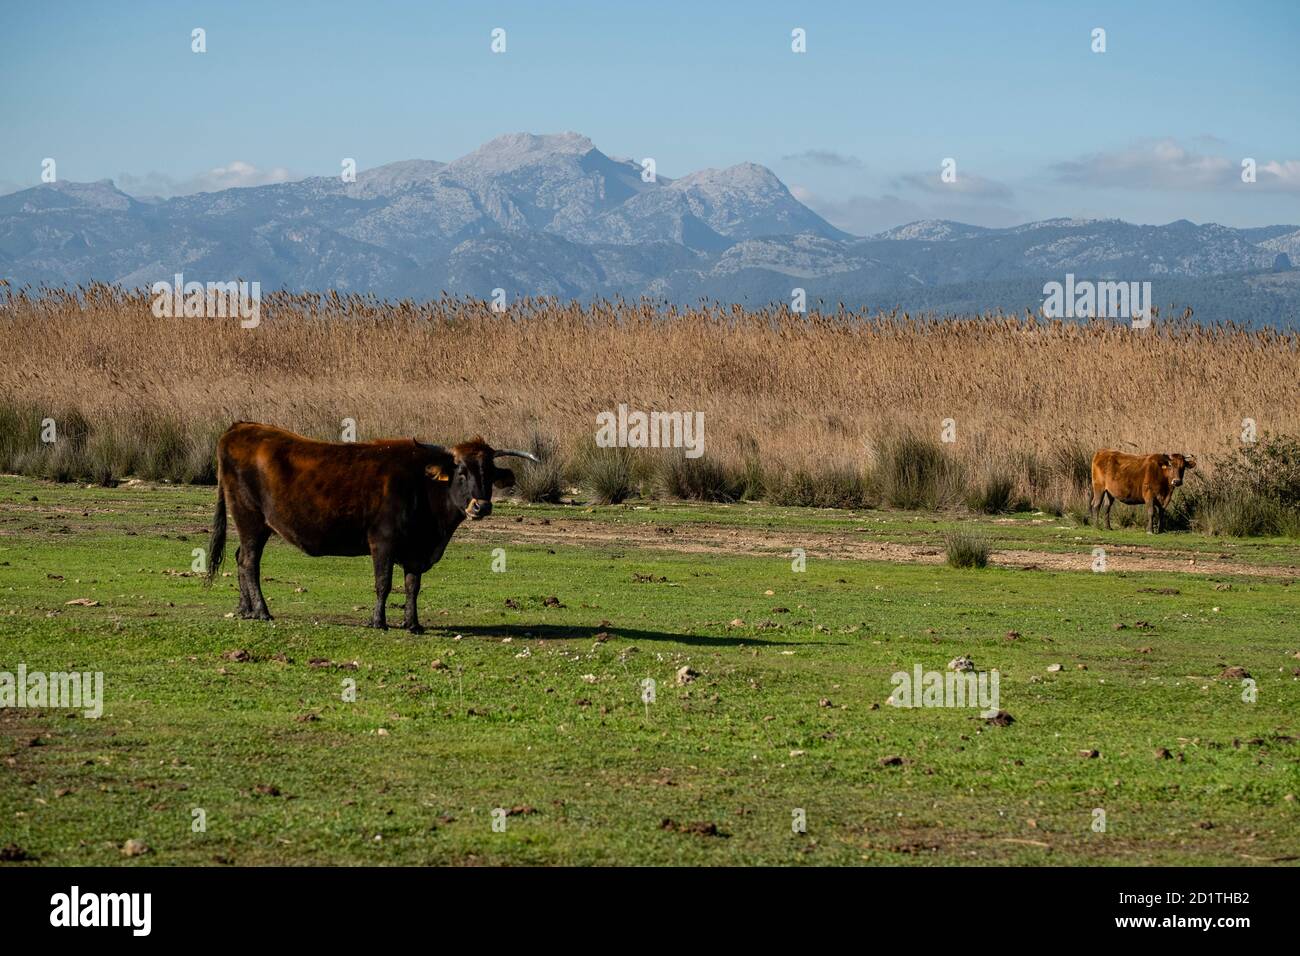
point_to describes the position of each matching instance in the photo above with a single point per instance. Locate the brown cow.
(1134, 480)
(398, 500)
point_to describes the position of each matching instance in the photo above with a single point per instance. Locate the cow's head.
(1177, 465)
(470, 472)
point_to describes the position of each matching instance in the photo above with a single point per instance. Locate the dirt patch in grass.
(700, 538)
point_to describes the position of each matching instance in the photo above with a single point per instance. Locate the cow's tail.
(217, 543)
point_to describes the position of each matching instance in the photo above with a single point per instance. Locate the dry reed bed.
(805, 391)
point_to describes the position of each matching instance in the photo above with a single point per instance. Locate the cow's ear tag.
(436, 473)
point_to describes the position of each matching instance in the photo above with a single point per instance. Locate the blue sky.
(1152, 130)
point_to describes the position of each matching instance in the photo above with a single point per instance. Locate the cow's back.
(1125, 476)
(324, 497)
(1105, 462)
(1109, 467)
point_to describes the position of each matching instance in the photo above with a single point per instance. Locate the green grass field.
(534, 706)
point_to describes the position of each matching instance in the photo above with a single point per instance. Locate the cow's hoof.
(262, 615)
(415, 628)
(378, 625)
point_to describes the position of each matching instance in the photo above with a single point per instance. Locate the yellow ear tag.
(437, 474)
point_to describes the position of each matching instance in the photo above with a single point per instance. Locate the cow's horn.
(515, 453)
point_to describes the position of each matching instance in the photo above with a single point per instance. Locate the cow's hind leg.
(412, 621)
(1110, 500)
(253, 535)
(383, 584)
(250, 569)
(245, 601)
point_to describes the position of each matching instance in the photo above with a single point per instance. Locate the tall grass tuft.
(1072, 462)
(965, 550)
(993, 492)
(697, 479)
(914, 473)
(794, 489)
(544, 481)
(609, 474)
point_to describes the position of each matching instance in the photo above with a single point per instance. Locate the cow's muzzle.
(1176, 482)
(477, 508)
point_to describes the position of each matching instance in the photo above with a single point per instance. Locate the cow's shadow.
(620, 635)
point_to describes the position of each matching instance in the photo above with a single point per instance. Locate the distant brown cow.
(397, 500)
(1135, 480)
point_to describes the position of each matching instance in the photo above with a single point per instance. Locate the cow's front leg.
(383, 584)
(412, 620)
(1152, 509)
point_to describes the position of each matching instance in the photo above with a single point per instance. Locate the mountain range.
(553, 215)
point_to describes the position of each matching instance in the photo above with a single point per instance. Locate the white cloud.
(865, 215)
(1165, 164)
(236, 173)
(1284, 176)
(825, 157)
(966, 185)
